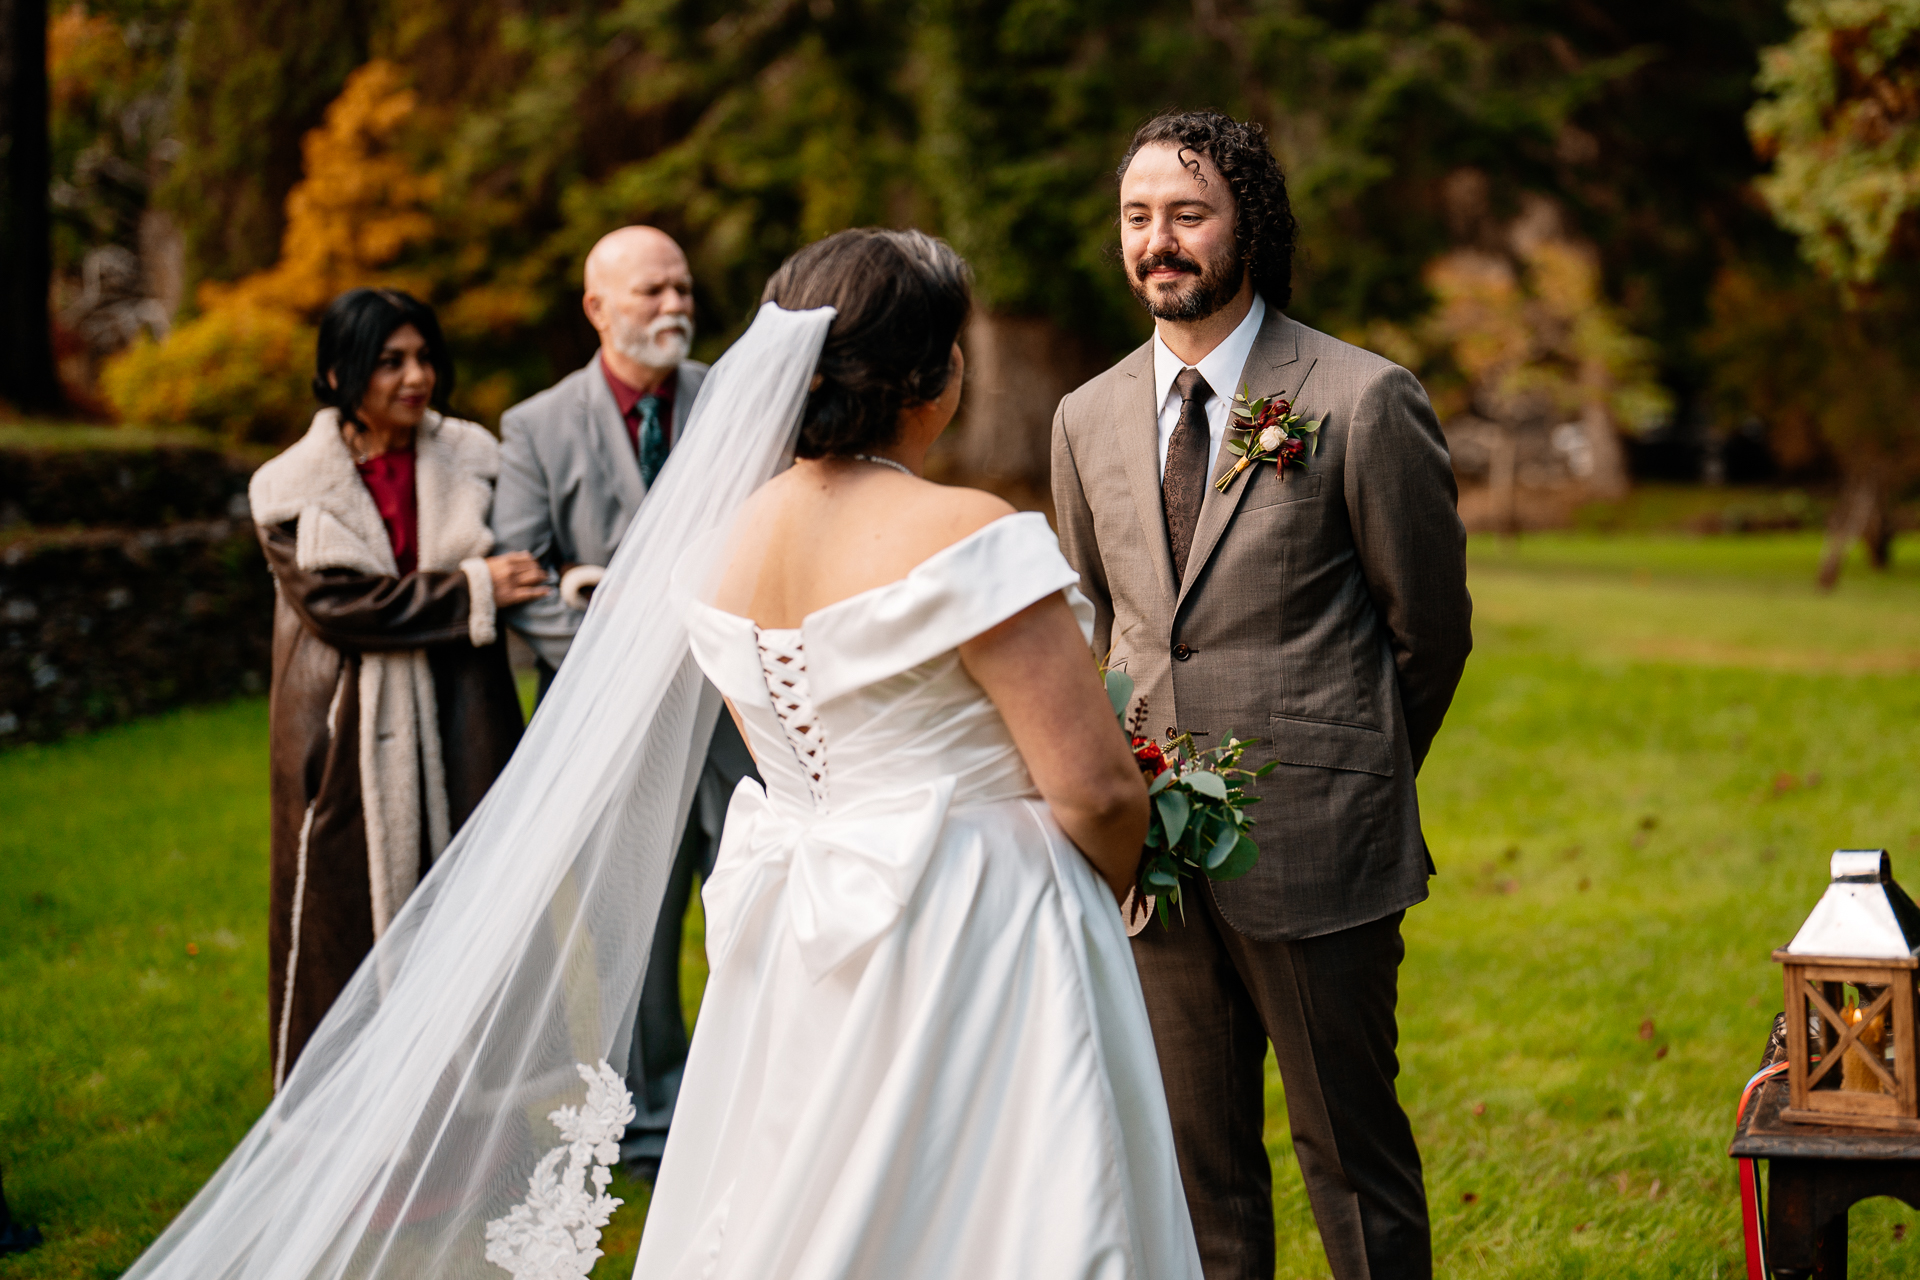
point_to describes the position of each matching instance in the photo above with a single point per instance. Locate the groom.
(1323, 610)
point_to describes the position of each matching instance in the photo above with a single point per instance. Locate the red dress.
(389, 478)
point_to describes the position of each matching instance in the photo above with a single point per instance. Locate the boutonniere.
(1270, 431)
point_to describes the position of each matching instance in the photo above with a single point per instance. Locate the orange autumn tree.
(1524, 338)
(241, 367)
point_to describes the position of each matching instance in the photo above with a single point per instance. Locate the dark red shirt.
(389, 478)
(629, 398)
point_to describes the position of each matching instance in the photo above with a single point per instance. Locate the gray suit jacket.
(1324, 612)
(569, 485)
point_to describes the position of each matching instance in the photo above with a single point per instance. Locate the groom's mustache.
(1166, 262)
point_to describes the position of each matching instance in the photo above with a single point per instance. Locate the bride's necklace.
(901, 467)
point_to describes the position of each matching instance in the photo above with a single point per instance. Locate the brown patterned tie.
(1184, 484)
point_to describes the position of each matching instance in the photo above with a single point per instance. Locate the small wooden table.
(1815, 1173)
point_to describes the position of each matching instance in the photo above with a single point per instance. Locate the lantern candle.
(1855, 1072)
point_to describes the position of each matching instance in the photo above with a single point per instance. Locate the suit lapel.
(1273, 367)
(1137, 420)
(608, 431)
(686, 385)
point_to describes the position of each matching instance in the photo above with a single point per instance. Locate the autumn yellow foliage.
(83, 50)
(242, 366)
(1533, 335)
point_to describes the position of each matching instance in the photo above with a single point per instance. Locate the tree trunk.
(1503, 478)
(28, 380)
(1609, 479)
(1862, 514)
(1018, 367)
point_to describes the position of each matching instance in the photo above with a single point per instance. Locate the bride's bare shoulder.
(922, 519)
(951, 513)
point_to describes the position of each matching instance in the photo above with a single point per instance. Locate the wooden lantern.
(1854, 1065)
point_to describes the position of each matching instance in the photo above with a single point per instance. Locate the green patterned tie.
(653, 439)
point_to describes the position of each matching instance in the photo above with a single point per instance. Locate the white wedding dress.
(923, 1051)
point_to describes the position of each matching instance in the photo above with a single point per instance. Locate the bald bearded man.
(575, 464)
(577, 459)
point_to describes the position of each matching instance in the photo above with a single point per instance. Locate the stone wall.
(60, 479)
(103, 625)
(131, 581)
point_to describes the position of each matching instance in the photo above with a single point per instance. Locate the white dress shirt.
(1221, 367)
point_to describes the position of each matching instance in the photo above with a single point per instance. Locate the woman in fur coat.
(392, 708)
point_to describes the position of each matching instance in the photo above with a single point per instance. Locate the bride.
(923, 1050)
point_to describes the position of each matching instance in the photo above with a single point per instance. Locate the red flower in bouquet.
(1152, 760)
(1198, 823)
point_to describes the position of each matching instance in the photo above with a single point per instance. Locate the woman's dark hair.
(355, 330)
(1264, 229)
(901, 297)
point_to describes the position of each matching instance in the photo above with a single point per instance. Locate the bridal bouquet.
(1199, 822)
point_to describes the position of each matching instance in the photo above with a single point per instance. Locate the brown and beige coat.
(392, 706)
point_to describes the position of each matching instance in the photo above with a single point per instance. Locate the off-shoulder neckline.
(858, 596)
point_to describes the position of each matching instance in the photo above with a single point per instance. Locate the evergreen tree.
(255, 76)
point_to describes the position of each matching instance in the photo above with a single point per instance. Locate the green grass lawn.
(1658, 742)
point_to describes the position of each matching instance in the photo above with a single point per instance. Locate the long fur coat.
(392, 706)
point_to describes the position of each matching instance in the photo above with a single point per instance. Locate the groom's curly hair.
(1265, 228)
(901, 297)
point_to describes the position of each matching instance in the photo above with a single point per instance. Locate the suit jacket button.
(1181, 652)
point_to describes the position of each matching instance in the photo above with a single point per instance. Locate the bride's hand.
(1036, 668)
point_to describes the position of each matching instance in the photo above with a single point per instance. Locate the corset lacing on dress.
(783, 660)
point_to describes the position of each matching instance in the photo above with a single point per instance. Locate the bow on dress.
(848, 873)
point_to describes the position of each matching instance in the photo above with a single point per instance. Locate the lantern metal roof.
(1863, 914)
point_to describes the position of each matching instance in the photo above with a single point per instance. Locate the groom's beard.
(1209, 288)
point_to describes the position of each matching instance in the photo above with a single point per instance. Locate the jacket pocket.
(1273, 491)
(1323, 744)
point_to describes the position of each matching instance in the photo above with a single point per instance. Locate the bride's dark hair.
(901, 297)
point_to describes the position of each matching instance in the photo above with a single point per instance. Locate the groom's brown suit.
(1326, 613)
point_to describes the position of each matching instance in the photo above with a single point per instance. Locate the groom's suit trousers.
(1327, 1004)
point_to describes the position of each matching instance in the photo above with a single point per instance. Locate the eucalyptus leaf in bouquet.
(1199, 819)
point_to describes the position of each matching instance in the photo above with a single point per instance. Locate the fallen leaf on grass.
(1479, 1108)
(1646, 1028)
(1468, 1197)
(1653, 1192)
(1899, 1231)
(1661, 1052)
(192, 950)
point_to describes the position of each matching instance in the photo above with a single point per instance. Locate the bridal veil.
(420, 1107)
